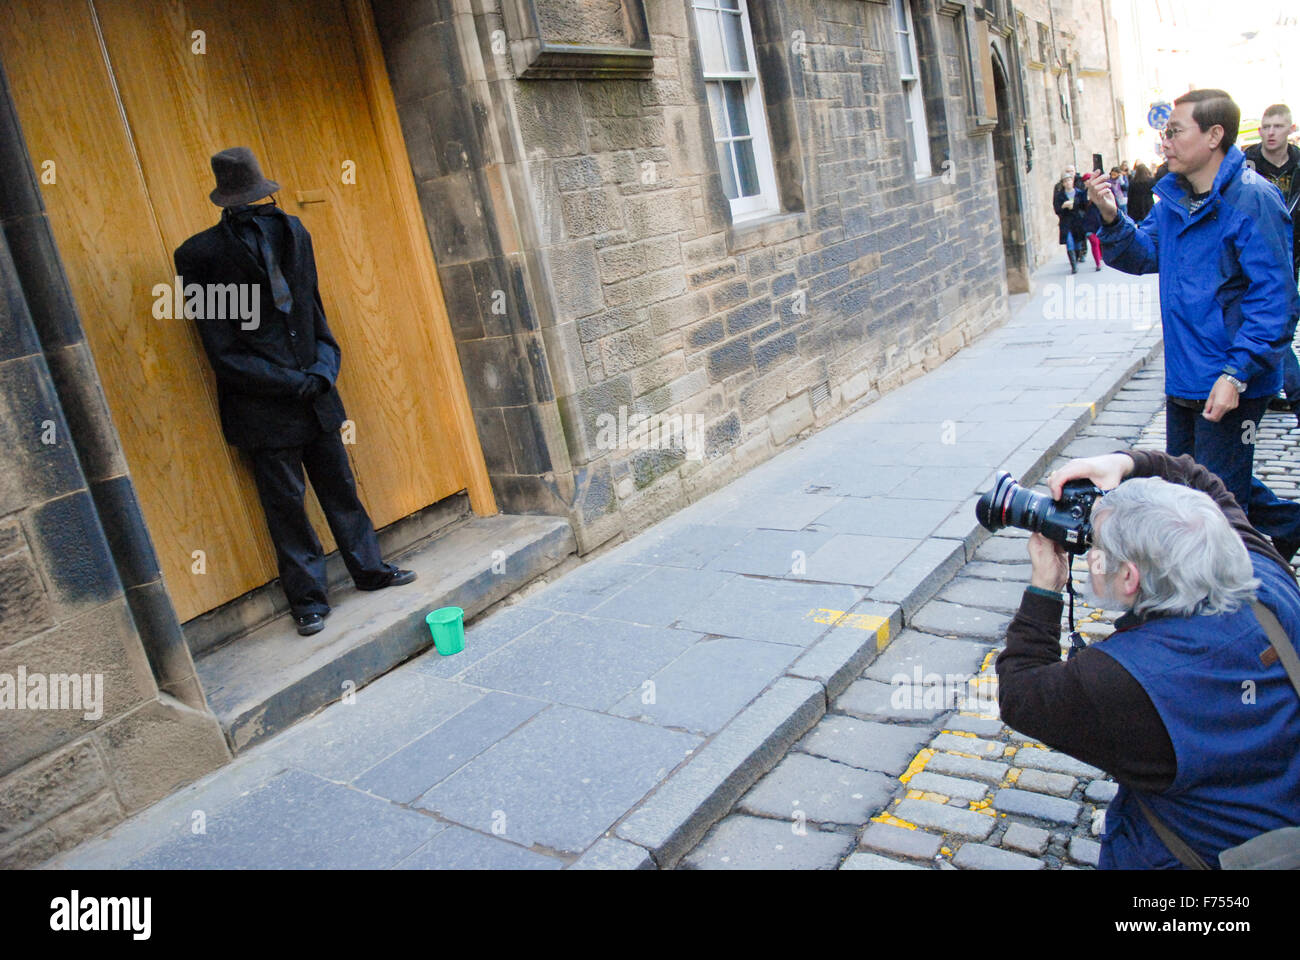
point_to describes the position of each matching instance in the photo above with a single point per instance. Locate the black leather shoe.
(394, 579)
(309, 623)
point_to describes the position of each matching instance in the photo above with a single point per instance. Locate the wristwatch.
(1239, 385)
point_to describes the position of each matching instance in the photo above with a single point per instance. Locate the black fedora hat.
(239, 178)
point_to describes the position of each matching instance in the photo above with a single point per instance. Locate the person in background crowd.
(1091, 224)
(1139, 193)
(1120, 179)
(1279, 162)
(1068, 200)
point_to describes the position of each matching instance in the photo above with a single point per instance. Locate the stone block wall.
(1055, 143)
(76, 755)
(80, 591)
(658, 305)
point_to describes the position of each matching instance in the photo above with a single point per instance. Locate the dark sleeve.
(328, 355)
(1088, 707)
(1186, 471)
(237, 368)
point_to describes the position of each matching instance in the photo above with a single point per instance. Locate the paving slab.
(560, 780)
(678, 814)
(300, 819)
(587, 586)
(861, 560)
(707, 685)
(919, 575)
(873, 700)
(582, 661)
(658, 598)
(346, 738)
(1026, 839)
(820, 790)
(459, 849)
(773, 553)
(865, 744)
(990, 771)
(755, 843)
(977, 856)
(611, 853)
(773, 610)
(901, 842)
(926, 659)
(949, 819)
(888, 516)
(871, 861)
(1036, 805)
(1003, 597)
(1055, 762)
(955, 620)
(436, 755)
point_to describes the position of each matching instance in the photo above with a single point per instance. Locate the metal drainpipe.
(1110, 83)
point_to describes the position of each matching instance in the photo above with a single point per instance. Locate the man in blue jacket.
(1221, 240)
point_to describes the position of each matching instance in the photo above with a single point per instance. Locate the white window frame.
(766, 201)
(917, 134)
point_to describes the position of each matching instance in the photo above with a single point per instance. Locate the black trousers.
(278, 472)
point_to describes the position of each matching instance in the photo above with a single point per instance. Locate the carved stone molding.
(596, 39)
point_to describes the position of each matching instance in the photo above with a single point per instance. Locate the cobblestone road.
(912, 768)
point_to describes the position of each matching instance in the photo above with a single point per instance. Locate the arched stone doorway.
(1009, 202)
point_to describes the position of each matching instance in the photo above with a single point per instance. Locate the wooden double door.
(122, 104)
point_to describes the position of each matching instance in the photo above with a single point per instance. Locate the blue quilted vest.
(1234, 724)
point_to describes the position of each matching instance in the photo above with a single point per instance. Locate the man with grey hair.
(1185, 704)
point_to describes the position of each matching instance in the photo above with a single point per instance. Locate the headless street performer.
(276, 385)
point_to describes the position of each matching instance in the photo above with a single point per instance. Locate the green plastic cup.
(447, 624)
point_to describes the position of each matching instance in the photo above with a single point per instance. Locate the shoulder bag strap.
(1188, 857)
(1281, 643)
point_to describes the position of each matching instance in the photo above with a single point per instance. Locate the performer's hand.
(312, 386)
(1223, 398)
(1050, 563)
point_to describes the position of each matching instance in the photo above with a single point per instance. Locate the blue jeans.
(1221, 449)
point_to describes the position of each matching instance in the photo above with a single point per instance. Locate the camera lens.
(1009, 504)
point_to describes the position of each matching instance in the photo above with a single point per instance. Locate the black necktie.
(255, 218)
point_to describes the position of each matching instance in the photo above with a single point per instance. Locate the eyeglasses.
(1168, 133)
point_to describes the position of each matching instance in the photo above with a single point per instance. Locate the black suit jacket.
(260, 371)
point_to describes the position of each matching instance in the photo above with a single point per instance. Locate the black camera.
(1068, 521)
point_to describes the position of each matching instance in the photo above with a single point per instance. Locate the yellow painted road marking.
(917, 765)
(1091, 406)
(858, 621)
(893, 821)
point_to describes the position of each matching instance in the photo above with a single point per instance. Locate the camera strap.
(1076, 639)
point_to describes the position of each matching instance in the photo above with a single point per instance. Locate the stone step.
(265, 680)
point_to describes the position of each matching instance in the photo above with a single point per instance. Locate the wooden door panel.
(133, 135)
(152, 370)
(391, 380)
